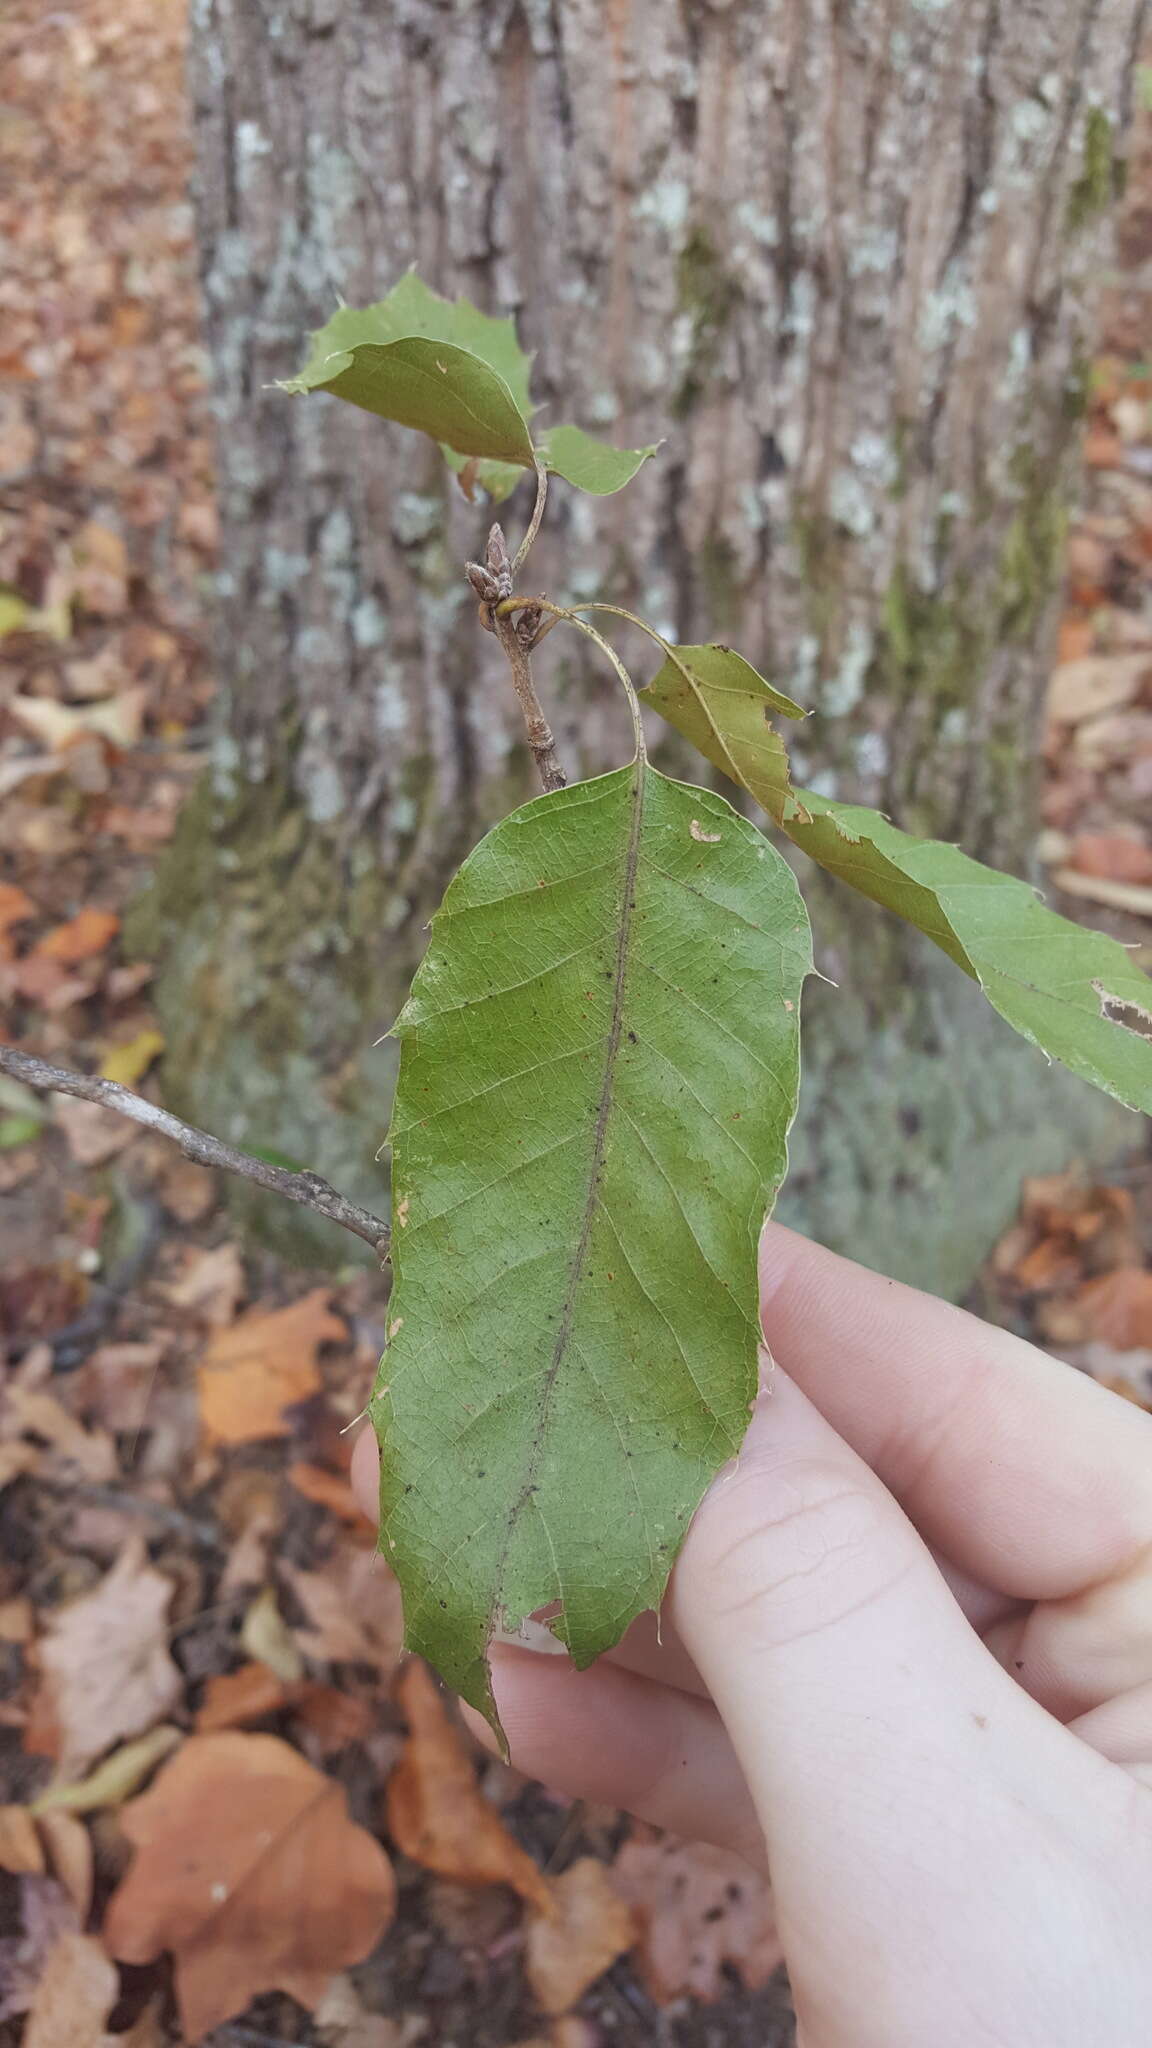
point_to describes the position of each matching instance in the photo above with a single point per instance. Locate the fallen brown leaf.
(235, 1699)
(74, 1996)
(590, 1927)
(84, 937)
(56, 725)
(354, 1608)
(699, 1908)
(1116, 1310)
(329, 1490)
(263, 1364)
(1119, 856)
(1096, 683)
(20, 1846)
(41, 1414)
(211, 1283)
(15, 907)
(93, 1134)
(1133, 896)
(250, 1871)
(437, 1813)
(335, 1718)
(104, 1661)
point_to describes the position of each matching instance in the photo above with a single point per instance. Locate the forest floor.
(189, 1597)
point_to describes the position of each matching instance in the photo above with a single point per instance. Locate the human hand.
(908, 1646)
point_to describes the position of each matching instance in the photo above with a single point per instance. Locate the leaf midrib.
(603, 1113)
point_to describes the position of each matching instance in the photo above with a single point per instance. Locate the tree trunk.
(840, 253)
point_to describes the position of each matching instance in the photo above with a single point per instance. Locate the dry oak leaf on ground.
(263, 1364)
(592, 1927)
(250, 1871)
(437, 1813)
(354, 1610)
(698, 1908)
(74, 1997)
(104, 1661)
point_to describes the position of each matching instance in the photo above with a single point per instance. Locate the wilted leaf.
(266, 1636)
(105, 1663)
(87, 934)
(437, 1813)
(209, 1282)
(41, 1414)
(591, 1926)
(21, 1849)
(129, 1062)
(234, 1699)
(250, 1871)
(598, 1073)
(70, 1856)
(699, 1909)
(116, 1779)
(92, 1133)
(329, 1490)
(118, 719)
(264, 1364)
(1073, 992)
(15, 907)
(353, 1606)
(74, 1997)
(1094, 684)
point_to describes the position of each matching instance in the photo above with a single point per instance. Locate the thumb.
(897, 1771)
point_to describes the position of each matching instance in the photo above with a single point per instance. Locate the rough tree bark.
(841, 253)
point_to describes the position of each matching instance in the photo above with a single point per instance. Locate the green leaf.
(599, 1067)
(1074, 993)
(433, 386)
(589, 464)
(466, 384)
(725, 707)
(412, 309)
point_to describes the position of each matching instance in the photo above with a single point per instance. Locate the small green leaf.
(590, 464)
(1073, 992)
(410, 309)
(599, 1067)
(725, 707)
(445, 368)
(433, 386)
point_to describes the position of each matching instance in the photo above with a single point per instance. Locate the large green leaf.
(599, 1067)
(1074, 993)
(445, 368)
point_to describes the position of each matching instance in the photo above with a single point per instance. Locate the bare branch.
(308, 1189)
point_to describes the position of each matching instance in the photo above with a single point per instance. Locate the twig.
(306, 1188)
(493, 583)
(521, 555)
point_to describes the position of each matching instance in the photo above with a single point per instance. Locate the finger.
(364, 1472)
(1121, 1729)
(1031, 1478)
(1073, 1654)
(901, 1778)
(610, 1736)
